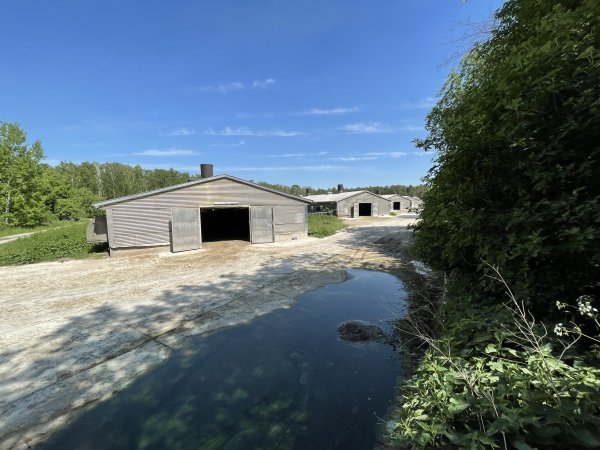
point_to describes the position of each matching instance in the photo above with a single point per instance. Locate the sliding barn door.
(261, 224)
(185, 229)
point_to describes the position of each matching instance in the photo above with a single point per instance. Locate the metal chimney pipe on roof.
(307, 191)
(340, 188)
(206, 170)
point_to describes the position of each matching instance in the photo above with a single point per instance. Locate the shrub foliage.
(517, 130)
(515, 189)
(64, 242)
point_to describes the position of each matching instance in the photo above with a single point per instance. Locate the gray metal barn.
(397, 202)
(210, 209)
(415, 202)
(350, 204)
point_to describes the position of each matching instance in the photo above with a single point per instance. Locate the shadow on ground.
(90, 356)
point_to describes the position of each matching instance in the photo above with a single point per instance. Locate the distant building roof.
(326, 198)
(388, 196)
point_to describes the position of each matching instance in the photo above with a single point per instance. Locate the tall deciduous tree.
(21, 200)
(516, 183)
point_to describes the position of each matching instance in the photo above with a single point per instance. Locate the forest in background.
(33, 192)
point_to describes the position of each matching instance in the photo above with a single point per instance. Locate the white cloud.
(411, 128)
(296, 155)
(355, 158)
(228, 87)
(366, 128)
(266, 115)
(179, 132)
(331, 111)
(320, 168)
(166, 152)
(243, 131)
(237, 144)
(387, 154)
(261, 84)
(424, 103)
(370, 156)
(430, 154)
(236, 86)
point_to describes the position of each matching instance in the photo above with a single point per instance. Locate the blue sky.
(293, 92)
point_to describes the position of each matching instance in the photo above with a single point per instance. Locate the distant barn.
(215, 208)
(415, 202)
(397, 202)
(350, 204)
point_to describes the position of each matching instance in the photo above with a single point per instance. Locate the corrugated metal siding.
(261, 224)
(140, 226)
(185, 229)
(404, 202)
(145, 221)
(290, 220)
(206, 194)
(344, 208)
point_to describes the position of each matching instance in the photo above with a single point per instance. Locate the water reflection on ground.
(284, 381)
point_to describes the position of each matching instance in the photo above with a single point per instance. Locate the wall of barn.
(404, 202)
(344, 207)
(290, 222)
(145, 221)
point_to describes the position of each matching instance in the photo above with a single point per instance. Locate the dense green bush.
(322, 225)
(517, 128)
(487, 382)
(66, 242)
(514, 188)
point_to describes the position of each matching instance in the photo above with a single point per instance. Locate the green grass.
(10, 231)
(321, 225)
(66, 242)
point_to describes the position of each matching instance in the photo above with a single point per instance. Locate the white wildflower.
(584, 305)
(559, 330)
(560, 305)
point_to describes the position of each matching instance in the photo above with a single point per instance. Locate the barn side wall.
(145, 221)
(344, 207)
(290, 222)
(404, 202)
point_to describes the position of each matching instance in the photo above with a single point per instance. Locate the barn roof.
(388, 196)
(175, 187)
(325, 198)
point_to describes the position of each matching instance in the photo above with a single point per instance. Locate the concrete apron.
(38, 394)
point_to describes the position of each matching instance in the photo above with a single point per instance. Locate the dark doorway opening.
(225, 224)
(364, 209)
(396, 206)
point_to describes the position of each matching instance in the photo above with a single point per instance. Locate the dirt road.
(74, 332)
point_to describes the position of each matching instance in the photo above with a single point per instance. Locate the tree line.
(33, 192)
(401, 189)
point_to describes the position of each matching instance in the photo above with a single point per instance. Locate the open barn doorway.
(364, 209)
(225, 224)
(396, 206)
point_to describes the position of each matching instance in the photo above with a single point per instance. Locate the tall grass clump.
(65, 242)
(322, 225)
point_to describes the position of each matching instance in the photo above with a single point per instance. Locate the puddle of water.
(283, 381)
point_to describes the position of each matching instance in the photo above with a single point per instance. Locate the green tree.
(21, 199)
(160, 178)
(517, 130)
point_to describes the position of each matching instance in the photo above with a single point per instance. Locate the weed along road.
(75, 332)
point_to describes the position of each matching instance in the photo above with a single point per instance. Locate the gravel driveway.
(74, 332)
